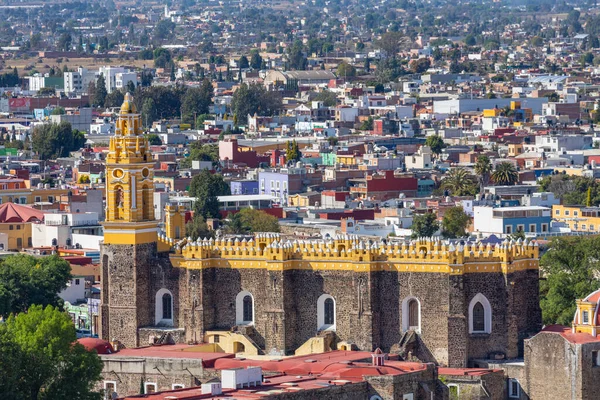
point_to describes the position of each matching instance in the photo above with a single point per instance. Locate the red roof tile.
(10, 212)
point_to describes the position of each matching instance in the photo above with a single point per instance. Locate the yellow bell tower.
(129, 182)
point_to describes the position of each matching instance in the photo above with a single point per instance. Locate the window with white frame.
(514, 389)
(521, 228)
(508, 229)
(110, 387)
(480, 315)
(583, 226)
(150, 387)
(544, 227)
(244, 308)
(453, 391)
(575, 213)
(557, 212)
(595, 358)
(326, 313)
(586, 317)
(567, 213)
(163, 314)
(411, 314)
(532, 228)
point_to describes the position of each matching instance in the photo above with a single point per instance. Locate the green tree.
(51, 141)
(483, 169)
(162, 58)
(296, 57)
(206, 187)
(196, 101)
(114, 99)
(149, 112)
(243, 62)
(249, 220)
(459, 182)
(255, 99)
(292, 152)
(40, 358)
(424, 225)
(100, 93)
(571, 268)
(345, 70)
(392, 43)
(255, 59)
(454, 223)
(58, 111)
(435, 143)
(197, 228)
(154, 140)
(505, 174)
(328, 98)
(64, 42)
(201, 152)
(419, 66)
(27, 280)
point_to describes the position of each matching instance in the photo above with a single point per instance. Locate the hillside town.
(274, 199)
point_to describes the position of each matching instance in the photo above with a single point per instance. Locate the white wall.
(75, 291)
(87, 241)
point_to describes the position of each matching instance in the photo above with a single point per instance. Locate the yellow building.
(587, 318)
(129, 182)
(347, 159)
(31, 196)
(304, 199)
(15, 223)
(578, 218)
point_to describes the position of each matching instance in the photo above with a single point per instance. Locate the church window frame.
(514, 389)
(244, 308)
(150, 387)
(407, 304)
(326, 313)
(159, 316)
(112, 386)
(474, 326)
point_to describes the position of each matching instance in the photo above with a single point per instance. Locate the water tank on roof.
(299, 164)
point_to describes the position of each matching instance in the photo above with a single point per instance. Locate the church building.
(437, 301)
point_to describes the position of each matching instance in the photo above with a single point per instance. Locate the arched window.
(244, 308)
(411, 314)
(326, 313)
(480, 315)
(167, 303)
(247, 308)
(329, 312)
(163, 312)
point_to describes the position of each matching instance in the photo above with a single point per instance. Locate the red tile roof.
(567, 333)
(10, 212)
(101, 346)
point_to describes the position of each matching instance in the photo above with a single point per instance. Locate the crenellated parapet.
(351, 252)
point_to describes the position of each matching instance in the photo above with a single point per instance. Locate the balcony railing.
(72, 223)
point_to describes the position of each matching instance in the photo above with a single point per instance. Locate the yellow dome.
(128, 107)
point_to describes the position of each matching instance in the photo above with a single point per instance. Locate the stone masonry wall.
(493, 287)
(124, 269)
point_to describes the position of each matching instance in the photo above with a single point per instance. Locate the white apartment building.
(117, 77)
(79, 81)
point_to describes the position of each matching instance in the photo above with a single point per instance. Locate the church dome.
(128, 107)
(101, 346)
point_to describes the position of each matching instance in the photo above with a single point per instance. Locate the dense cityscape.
(283, 199)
